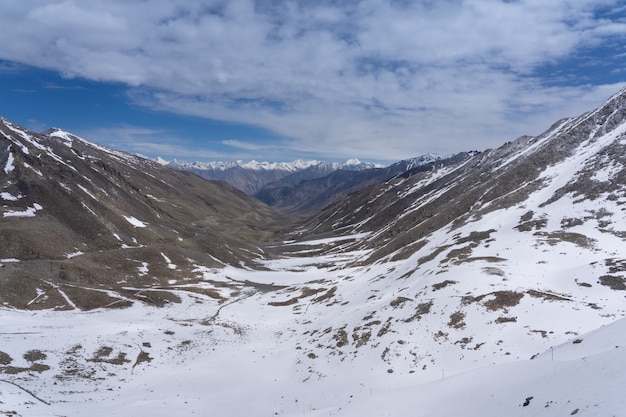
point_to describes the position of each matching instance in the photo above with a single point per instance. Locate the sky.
(277, 80)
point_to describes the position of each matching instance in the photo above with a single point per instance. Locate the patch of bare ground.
(490, 270)
(35, 367)
(440, 336)
(236, 328)
(341, 337)
(615, 265)
(369, 316)
(421, 310)
(568, 222)
(361, 339)
(326, 296)
(464, 342)
(5, 358)
(305, 293)
(432, 255)
(492, 259)
(526, 223)
(526, 216)
(142, 357)
(32, 356)
(476, 237)
(209, 292)
(103, 355)
(35, 355)
(458, 254)
(383, 356)
(385, 328)
(157, 298)
(614, 282)
(543, 333)
(285, 303)
(554, 238)
(503, 299)
(362, 334)
(443, 284)
(457, 320)
(548, 296)
(407, 250)
(499, 300)
(88, 299)
(399, 301)
(72, 367)
(503, 319)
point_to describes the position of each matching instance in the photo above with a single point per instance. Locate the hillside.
(79, 220)
(490, 285)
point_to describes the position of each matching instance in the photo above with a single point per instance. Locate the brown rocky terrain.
(81, 223)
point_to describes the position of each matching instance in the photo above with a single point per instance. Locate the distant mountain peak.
(161, 161)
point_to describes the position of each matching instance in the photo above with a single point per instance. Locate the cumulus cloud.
(388, 79)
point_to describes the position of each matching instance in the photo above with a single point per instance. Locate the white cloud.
(235, 143)
(369, 78)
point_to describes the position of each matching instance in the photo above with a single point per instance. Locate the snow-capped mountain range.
(302, 195)
(292, 166)
(252, 176)
(301, 187)
(486, 284)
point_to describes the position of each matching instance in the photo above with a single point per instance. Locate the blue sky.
(329, 79)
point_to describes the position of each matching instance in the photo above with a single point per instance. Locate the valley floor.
(262, 354)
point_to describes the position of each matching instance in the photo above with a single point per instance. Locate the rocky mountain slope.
(79, 220)
(253, 176)
(494, 280)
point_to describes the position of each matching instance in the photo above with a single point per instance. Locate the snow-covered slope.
(490, 286)
(583, 376)
(204, 357)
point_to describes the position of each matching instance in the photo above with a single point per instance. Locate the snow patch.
(135, 222)
(65, 137)
(9, 165)
(10, 197)
(170, 265)
(29, 212)
(86, 191)
(74, 254)
(35, 170)
(143, 269)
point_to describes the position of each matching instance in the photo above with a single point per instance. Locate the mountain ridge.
(252, 176)
(295, 165)
(71, 208)
(306, 197)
